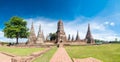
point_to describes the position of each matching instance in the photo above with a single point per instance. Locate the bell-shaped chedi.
(61, 37)
(89, 38)
(32, 36)
(77, 37)
(40, 38)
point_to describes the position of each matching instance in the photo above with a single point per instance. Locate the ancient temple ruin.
(61, 36)
(77, 37)
(89, 38)
(40, 36)
(32, 36)
(32, 40)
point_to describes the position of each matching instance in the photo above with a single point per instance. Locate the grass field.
(106, 53)
(47, 56)
(19, 51)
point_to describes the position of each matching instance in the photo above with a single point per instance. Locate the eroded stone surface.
(32, 36)
(40, 37)
(61, 36)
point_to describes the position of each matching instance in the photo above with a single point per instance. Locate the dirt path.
(61, 56)
(5, 58)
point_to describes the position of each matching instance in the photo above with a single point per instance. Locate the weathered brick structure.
(61, 36)
(89, 38)
(40, 37)
(32, 36)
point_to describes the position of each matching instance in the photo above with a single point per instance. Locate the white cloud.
(112, 23)
(109, 23)
(106, 22)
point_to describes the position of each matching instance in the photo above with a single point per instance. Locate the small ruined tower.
(61, 37)
(32, 36)
(89, 38)
(72, 38)
(40, 37)
(77, 37)
(69, 37)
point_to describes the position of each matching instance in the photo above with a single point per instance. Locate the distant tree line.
(115, 41)
(52, 36)
(97, 41)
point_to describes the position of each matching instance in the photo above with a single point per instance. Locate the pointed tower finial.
(32, 24)
(40, 27)
(43, 36)
(77, 36)
(88, 27)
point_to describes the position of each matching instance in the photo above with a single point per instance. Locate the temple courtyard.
(60, 49)
(88, 53)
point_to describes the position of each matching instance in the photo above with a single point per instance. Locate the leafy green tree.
(16, 28)
(52, 36)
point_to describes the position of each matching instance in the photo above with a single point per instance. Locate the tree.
(52, 36)
(97, 41)
(16, 28)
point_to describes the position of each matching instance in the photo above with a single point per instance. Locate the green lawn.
(19, 51)
(47, 56)
(106, 53)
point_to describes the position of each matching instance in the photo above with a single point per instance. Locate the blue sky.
(56, 9)
(103, 15)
